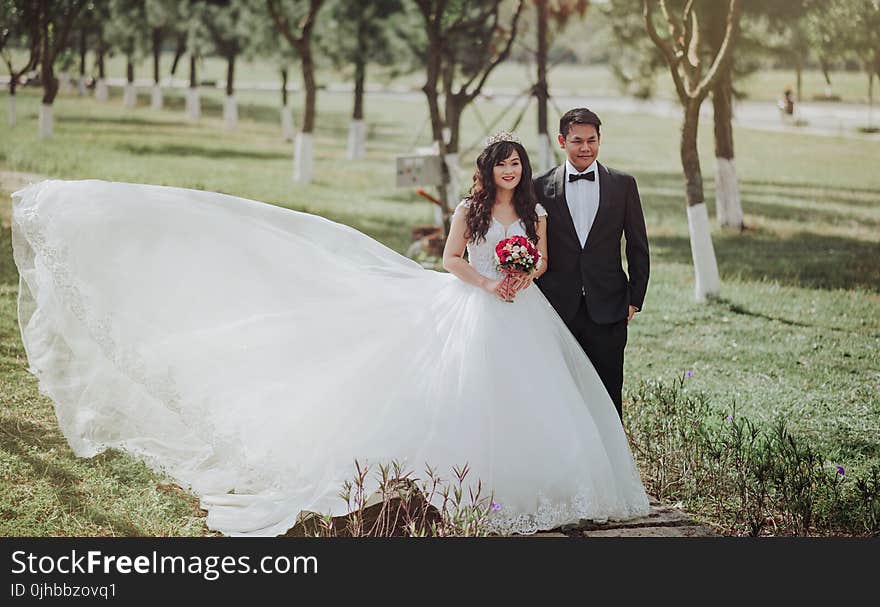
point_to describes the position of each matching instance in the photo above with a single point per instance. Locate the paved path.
(663, 521)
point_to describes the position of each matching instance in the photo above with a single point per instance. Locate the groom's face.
(581, 145)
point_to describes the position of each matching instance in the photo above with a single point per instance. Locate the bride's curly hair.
(483, 190)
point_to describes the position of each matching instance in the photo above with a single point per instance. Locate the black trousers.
(604, 346)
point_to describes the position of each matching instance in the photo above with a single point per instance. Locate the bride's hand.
(520, 281)
(501, 288)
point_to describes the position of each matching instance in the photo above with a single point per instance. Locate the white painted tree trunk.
(156, 98)
(193, 104)
(81, 86)
(546, 160)
(12, 114)
(302, 158)
(65, 85)
(708, 283)
(129, 96)
(230, 112)
(357, 139)
(728, 205)
(47, 121)
(102, 94)
(287, 123)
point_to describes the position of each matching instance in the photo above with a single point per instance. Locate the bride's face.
(508, 172)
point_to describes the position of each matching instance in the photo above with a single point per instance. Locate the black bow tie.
(591, 176)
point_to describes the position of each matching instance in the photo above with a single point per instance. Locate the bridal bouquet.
(516, 255)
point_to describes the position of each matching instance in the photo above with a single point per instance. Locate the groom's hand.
(632, 312)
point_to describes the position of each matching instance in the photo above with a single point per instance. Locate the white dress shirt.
(582, 197)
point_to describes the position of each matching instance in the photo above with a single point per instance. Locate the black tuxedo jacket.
(595, 269)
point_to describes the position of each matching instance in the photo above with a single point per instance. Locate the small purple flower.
(495, 507)
(689, 374)
(841, 471)
(729, 419)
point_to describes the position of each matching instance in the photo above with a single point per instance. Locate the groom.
(590, 207)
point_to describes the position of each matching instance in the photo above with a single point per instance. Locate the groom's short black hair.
(579, 115)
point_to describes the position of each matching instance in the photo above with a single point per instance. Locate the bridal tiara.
(502, 136)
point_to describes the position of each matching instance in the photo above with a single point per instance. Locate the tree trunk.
(50, 85)
(823, 63)
(193, 78)
(230, 107)
(357, 130)
(707, 282)
(690, 158)
(799, 69)
(101, 92)
(46, 121)
(303, 153)
(870, 100)
(47, 71)
(129, 97)
(193, 103)
(12, 113)
(178, 52)
(83, 50)
(230, 75)
(156, 94)
(157, 52)
(287, 130)
(545, 150)
(433, 63)
(308, 74)
(728, 206)
(454, 109)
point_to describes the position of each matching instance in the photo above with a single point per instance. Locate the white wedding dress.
(253, 353)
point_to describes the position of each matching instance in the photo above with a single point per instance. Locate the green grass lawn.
(795, 334)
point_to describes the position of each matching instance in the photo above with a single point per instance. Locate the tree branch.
(672, 57)
(502, 56)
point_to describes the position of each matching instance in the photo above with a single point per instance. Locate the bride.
(253, 353)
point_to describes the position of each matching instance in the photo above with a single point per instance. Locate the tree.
(263, 42)
(728, 204)
(56, 19)
(557, 14)
(225, 26)
(463, 42)
(357, 33)
(20, 29)
(127, 32)
(98, 13)
(162, 18)
(694, 78)
(192, 16)
(295, 21)
(639, 59)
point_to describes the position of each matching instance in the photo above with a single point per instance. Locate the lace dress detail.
(482, 256)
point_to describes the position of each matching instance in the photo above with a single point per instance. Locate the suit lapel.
(603, 200)
(562, 209)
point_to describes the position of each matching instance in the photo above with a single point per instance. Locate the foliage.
(746, 478)
(402, 505)
(345, 23)
(126, 29)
